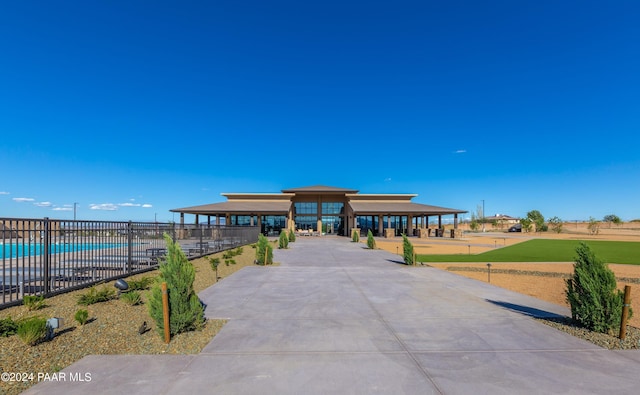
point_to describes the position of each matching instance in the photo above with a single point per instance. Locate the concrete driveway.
(337, 318)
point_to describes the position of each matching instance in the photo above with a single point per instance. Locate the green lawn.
(542, 250)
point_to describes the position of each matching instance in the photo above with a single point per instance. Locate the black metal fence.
(49, 256)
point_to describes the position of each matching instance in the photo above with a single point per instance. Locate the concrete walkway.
(336, 318)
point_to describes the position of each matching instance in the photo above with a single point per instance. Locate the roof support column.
(455, 221)
(380, 226)
(439, 221)
(410, 225)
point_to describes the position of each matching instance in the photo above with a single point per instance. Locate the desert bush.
(141, 284)
(32, 330)
(292, 236)
(94, 296)
(556, 224)
(595, 301)
(371, 242)
(263, 245)
(593, 226)
(33, 302)
(355, 236)
(132, 298)
(81, 316)
(185, 309)
(229, 261)
(283, 240)
(8, 327)
(407, 250)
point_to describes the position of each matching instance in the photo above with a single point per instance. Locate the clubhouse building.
(318, 210)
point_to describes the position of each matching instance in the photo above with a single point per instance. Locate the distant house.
(502, 219)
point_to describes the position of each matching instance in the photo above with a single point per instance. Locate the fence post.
(129, 246)
(201, 237)
(46, 256)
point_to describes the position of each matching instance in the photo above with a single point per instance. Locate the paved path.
(336, 318)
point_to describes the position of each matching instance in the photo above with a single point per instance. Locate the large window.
(273, 224)
(329, 208)
(307, 208)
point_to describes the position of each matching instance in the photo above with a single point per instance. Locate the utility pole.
(483, 215)
(74, 210)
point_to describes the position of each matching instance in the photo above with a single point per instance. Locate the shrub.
(33, 302)
(355, 236)
(95, 296)
(81, 316)
(283, 240)
(185, 309)
(595, 301)
(32, 330)
(263, 245)
(141, 284)
(407, 250)
(132, 298)
(556, 224)
(8, 327)
(371, 242)
(214, 262)
(292, 236)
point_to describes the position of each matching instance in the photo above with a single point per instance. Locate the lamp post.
(74, 210)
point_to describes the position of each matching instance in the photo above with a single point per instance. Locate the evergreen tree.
(371, 242)
(595, 301)
(407, 250)
(263, 245)
(292, 236)
(283, 240)
(185, 309)
(355, 236)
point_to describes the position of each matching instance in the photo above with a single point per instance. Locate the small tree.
(262, 247)
(407, 250)
(538, 219)
(185, 309)
(214, 262)
(595, 301)
(283, 240)
(371, 242)
(556, 224)
(355, 236)
(526, 224)
(593, 226)
(612, 219)
(292, 236)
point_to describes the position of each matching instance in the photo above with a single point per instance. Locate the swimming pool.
(19, 250)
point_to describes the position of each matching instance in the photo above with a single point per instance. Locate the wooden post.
(625, 311)
(165, 313)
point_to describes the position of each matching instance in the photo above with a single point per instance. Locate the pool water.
(18, 250)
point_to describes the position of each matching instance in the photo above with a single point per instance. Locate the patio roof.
(362, 208)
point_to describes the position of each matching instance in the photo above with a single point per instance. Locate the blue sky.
(132, 108)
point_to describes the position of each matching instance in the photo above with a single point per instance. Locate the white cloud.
(104, 207)
(129, 205)
(146, 205)
(4, 193)
(21, 200)
(461, 151)
(62, 208)
(43, 204)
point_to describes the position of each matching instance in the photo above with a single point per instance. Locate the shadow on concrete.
(526, 310)
(398, 262)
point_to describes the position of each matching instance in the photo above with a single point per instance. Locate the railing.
(47, 256)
